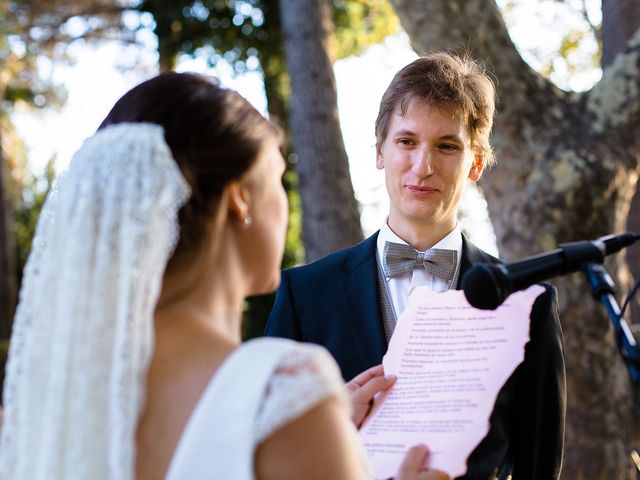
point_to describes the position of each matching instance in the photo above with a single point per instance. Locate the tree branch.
(477, 26)
(34, 17)
(614, 102)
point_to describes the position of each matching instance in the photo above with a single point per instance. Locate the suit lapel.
(359, 298)
(470, 255)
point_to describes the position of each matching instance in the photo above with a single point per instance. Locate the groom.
(432, 136)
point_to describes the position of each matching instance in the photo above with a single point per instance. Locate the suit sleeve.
(283, 321)
(538, 437)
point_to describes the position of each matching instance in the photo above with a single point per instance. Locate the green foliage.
(361, 23)
(231, 30)
(47, 25)
(32, 29)
(573, 39)
(240, 31)
(294, 251)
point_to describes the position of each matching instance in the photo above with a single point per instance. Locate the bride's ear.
(238, 201)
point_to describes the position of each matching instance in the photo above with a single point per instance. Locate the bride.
(126, 359)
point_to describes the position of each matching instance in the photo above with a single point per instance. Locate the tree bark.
(331, 218)
(568, 168)
(633, 257)
(620, 19)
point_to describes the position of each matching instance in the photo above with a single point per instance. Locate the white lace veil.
(83, 331)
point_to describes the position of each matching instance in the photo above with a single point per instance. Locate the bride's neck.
(212, 297)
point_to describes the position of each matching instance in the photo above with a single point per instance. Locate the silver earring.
(247, 221)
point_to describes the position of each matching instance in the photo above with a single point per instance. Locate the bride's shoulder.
(303, 376)
(268, 393)
(305, 406)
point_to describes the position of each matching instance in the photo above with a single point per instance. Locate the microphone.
(487, 285)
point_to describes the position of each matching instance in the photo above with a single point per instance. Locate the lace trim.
(304, 378)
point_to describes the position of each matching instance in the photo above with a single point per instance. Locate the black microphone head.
(483, 286)
(615, 243)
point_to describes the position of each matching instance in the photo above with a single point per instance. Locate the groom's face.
(428, 160)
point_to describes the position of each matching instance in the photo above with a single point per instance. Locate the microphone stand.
(602, 289)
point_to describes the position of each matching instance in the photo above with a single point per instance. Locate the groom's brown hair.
(457, 84)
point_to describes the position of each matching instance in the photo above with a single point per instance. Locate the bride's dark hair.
(214, 134)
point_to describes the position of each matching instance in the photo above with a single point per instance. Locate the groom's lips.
(421, 191)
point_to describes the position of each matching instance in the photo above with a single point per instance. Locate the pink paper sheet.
(451, 360)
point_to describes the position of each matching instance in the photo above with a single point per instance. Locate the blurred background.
(567, 137)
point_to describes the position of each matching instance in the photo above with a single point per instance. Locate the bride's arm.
(317, 445)
(321, 444)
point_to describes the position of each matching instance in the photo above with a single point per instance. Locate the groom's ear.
(238, 199)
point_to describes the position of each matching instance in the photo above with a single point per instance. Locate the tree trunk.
(633, 257)
(620, 19)
(167, 51)
(7, 252)
(331, 219)
(167, 30)
(166, 61)
(567, 170)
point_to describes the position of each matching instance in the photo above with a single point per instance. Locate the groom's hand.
(363, 388)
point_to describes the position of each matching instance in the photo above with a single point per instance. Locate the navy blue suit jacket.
(334, 302)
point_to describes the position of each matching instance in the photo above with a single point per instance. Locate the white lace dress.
(261, 386)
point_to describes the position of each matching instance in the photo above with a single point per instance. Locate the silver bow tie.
(400, 258)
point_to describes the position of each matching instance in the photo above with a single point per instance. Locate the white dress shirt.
(400, 286)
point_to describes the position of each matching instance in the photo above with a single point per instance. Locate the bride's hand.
(412, 467)
(363, 388)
